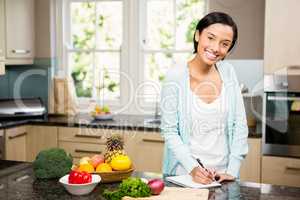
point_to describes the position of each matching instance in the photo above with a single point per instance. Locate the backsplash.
(25, 81)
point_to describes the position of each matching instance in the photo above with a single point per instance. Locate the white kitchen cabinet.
(19, 18)
(282, 30)
(2, 32)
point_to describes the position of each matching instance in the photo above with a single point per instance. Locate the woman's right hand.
(200, 175)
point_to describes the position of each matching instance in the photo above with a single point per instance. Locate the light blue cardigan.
(176, 120)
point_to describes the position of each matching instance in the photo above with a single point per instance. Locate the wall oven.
(281, 116)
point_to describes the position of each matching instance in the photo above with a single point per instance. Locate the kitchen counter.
(22, 185)
(125, 122)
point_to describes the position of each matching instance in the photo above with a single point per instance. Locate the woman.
(202, 108)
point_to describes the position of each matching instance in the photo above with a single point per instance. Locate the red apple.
(96, 160)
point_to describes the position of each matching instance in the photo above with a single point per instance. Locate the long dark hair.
(216, 18)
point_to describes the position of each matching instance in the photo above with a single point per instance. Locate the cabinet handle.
(295, 169)
(21, 178)
(18, 135)
(20, 51)
(87, 151)
(88, 136)
(153, 140)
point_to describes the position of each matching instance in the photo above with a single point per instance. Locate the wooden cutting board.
(176, 193)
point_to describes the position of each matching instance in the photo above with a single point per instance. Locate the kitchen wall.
(249, 17)
(247, 57)
(25, 81)
(32, 80)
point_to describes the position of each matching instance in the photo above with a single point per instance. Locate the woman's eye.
(225, 45)
(210, 38)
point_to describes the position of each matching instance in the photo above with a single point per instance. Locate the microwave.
(281, 116)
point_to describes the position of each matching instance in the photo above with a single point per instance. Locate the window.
(167, 38)
(111, 44)
(94, 35)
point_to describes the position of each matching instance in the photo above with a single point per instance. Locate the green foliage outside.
(82, 73)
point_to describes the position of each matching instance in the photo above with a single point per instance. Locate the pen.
(217, 177)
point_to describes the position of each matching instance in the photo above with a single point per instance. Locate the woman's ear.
(197, 36)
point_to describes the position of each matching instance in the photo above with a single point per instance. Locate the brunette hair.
(216, 18)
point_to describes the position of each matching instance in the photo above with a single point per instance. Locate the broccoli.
(52, 163)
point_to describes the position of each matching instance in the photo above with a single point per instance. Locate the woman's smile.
(210, 55)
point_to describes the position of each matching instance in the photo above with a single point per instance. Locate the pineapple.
(114, 147)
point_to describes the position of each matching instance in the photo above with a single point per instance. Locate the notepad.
(187, 181)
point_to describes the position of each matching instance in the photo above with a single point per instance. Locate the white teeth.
(210, 55)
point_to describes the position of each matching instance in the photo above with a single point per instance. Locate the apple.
(105, 109)
(96, 160)
(84, 160)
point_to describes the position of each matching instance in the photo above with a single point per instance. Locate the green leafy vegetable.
(132, 187)
(52, 163)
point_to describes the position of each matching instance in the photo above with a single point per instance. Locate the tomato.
(86, 177)
(76, 177)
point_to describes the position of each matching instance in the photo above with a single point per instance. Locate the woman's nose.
(215, 47)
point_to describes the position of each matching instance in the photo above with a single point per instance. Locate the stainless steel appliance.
(21, 108)
(281, 115)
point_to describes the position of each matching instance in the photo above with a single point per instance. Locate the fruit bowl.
(115, 176)
(107, 116)
(80, 189)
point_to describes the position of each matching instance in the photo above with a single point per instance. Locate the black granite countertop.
(121, 121)
(22, 185)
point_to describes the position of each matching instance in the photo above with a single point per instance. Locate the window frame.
(132, 53)
(144, 50)
(65, 32)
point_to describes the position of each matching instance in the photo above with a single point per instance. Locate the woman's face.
(214, 43)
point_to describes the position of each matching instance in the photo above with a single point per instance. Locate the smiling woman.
(202, 108)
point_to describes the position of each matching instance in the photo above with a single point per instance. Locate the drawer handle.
(88, 136)
(153, 140)
(16, 136)
(21, 178)
(296, 169)
(20, 51)
(87, 151)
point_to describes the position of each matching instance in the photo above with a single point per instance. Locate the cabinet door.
(281, 171)
(2, 52)
(87, 135)
(15, 144)
(145, 150)
(79, 150)
(40, 138)
(19, 29)
(282, 30)
(251, 166)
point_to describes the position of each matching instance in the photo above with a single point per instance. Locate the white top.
(208, 140)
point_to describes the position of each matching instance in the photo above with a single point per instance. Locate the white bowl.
(80, 189)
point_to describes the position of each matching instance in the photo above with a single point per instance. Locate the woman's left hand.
(225, 177)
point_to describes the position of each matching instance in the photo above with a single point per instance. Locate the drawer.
(87, 135)
(281, 171)
(145, 149)
(79, 150)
